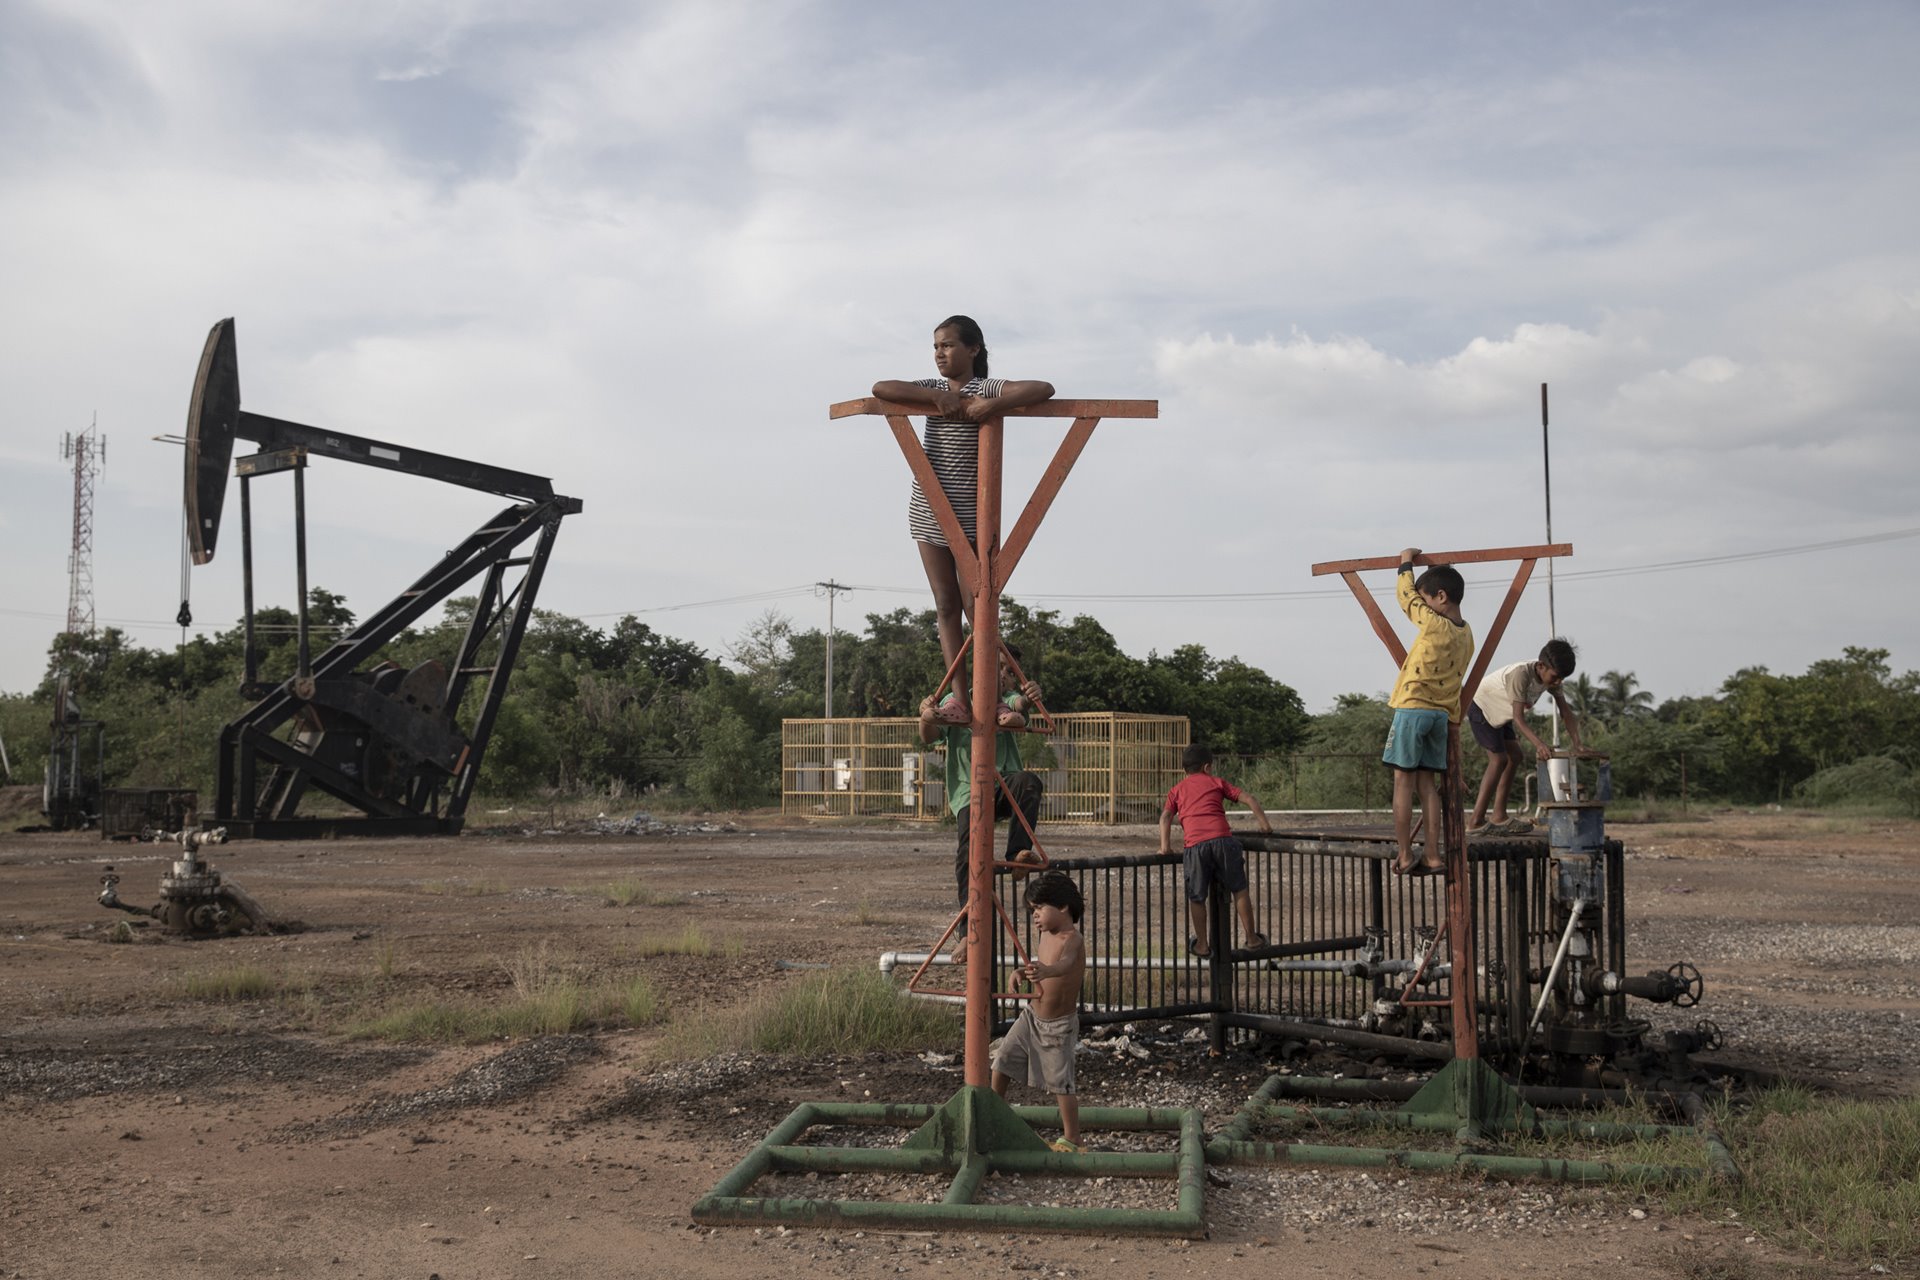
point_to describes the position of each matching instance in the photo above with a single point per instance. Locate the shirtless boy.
(1039, 1049)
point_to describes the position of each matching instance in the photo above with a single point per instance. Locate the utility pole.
(88, 450)
(832, 589)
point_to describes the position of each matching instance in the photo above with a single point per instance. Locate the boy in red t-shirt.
(1197, 804)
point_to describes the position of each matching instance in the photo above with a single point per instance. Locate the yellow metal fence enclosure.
(1099, 767)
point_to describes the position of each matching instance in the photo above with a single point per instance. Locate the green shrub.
(544, 1003)
(1870, 780)
(234, 982)
(690, 941)
(730, 771)
(846, 1011)
(630, 892)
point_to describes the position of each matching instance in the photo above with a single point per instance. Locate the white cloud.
(641, 251)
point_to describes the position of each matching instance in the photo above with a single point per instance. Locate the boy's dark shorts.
(1488, 736)
(1221, 859)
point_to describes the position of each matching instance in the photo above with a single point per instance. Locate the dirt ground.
(143, 1127)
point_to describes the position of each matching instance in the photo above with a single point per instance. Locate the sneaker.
(1484, 829)
(1517, 827)
(953, 711)
(1064, 1147)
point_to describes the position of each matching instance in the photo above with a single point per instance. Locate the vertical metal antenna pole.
(983, 790)
(1546, 468)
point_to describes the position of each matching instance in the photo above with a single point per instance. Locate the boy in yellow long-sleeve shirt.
(1425, 698)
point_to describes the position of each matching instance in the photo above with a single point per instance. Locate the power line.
(777, 593)
(1667, 566)
(1621, 571)
(1220, 597)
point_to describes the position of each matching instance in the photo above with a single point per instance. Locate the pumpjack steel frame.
(383, 741)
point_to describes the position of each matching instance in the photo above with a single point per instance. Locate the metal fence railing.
(1324, 899)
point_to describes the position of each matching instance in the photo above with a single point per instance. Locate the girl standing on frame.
(959, 400)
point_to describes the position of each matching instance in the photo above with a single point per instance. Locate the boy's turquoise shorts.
(1417, 739)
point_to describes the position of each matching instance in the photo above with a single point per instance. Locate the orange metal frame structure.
(1459, 923)
(984, 566)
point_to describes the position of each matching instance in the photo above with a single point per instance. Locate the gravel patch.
(1809, 1001)
(56, 1074)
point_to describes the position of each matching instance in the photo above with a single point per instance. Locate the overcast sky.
(642, 247)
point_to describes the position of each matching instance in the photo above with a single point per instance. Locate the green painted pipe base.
(1473, 1097)
(974, 1134)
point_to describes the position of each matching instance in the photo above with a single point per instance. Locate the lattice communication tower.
(88, 450)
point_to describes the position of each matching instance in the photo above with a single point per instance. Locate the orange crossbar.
(1541, 552)
(1045, 409)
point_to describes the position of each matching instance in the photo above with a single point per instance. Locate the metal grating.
(1099, 767)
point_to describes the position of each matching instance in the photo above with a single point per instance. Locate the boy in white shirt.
(1499, 708)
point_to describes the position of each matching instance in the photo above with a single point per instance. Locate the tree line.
(629, 710)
